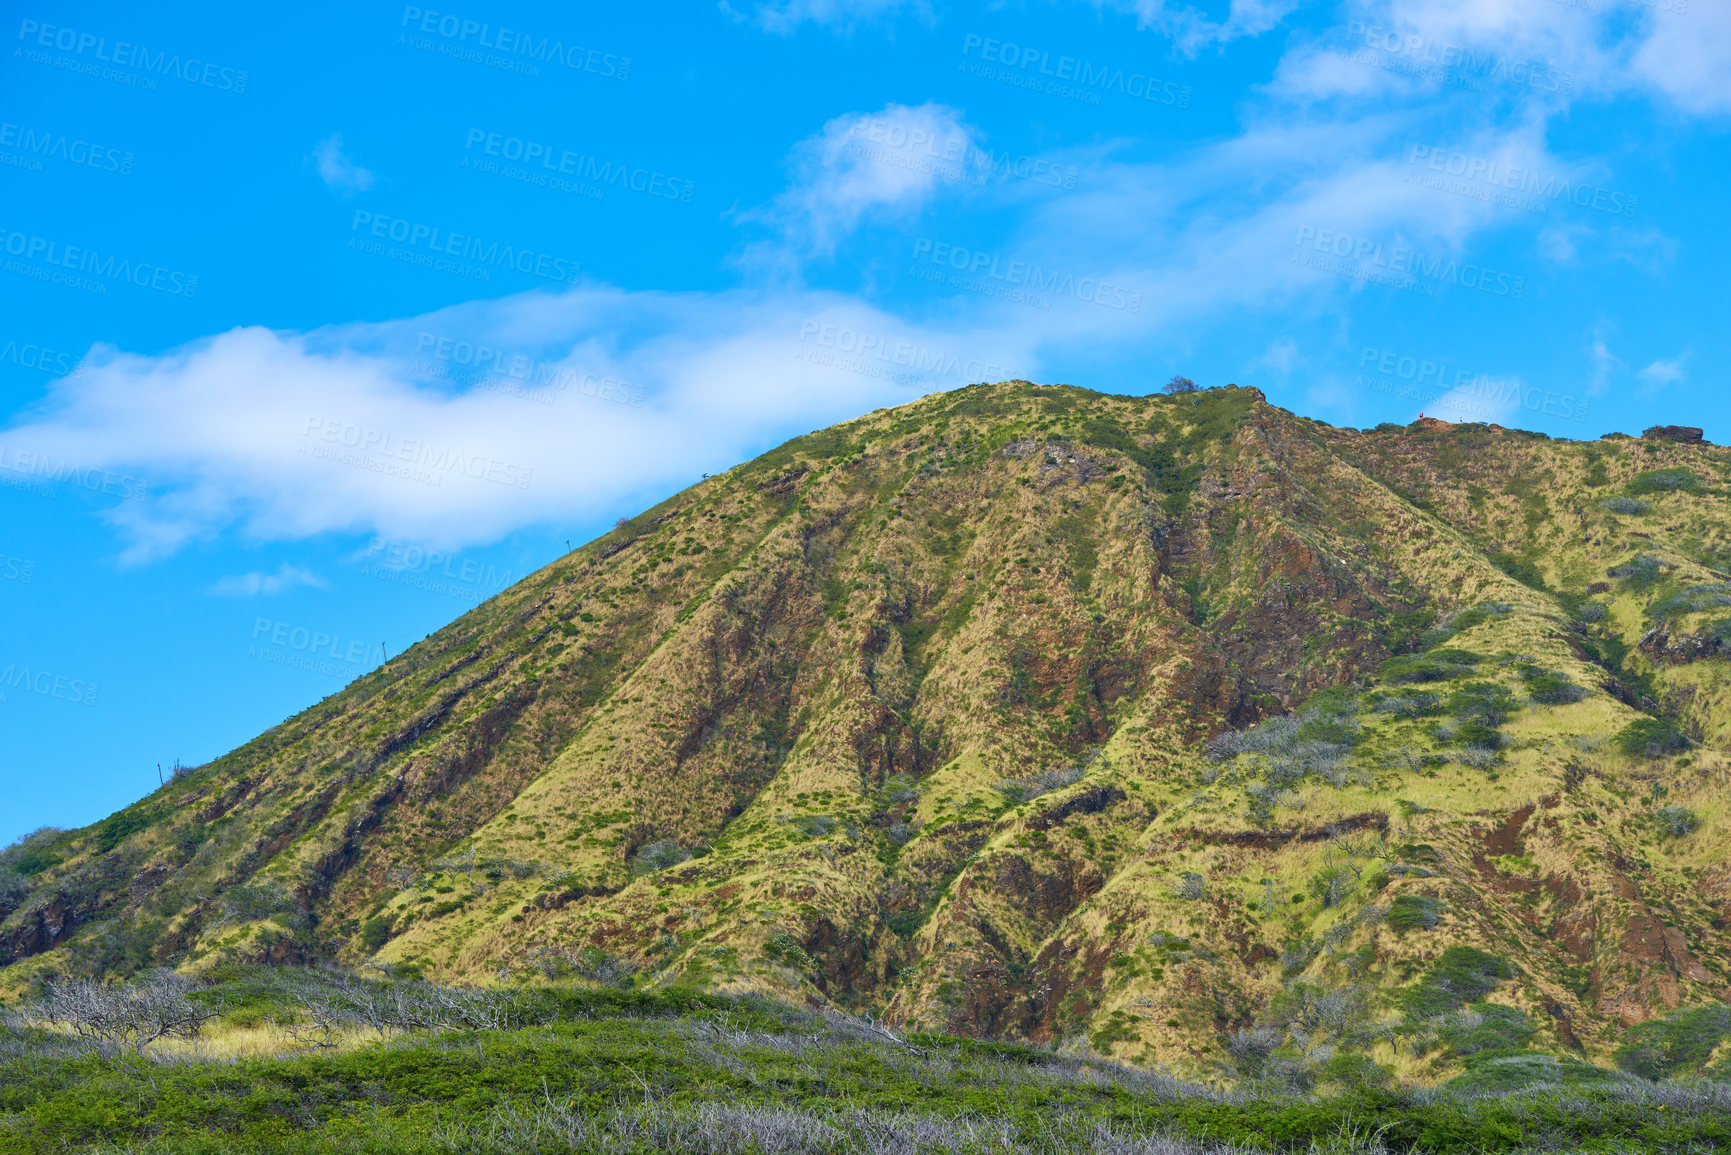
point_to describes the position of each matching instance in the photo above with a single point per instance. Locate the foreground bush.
(134, 1014)
(677, 1071)
(1676, 1044)
(1650, 738)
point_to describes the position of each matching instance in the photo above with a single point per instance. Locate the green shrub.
(1487, 1027)
(1676, 1044)
(1400, 629)
(785, 948)
(658, 855)
(1351, 1072)
(1477, 736)
(1330, 704)
(1436, 666)
(1333, 884)
(1676, 821)
(1488, 703)
(1410, 704)
(1650, 738)
(1414, 912)
(1551, 687)
(1627, 505)
(189, 838)
(1410, 668)
(116, 946)
(814, 825)
(1694, 600)
(1335, 731)
(251, 901)
(35, 860)
(1639, 572)
(33, 853)
(1460, 975)
(1494, 1073)
(375, 933)
(1663, 481)
(119, 827)
(905, 923)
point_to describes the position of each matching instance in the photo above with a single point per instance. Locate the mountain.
(1179, 728)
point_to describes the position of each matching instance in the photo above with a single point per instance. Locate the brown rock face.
(35, 931)
(1672, 648)
(1686, 434)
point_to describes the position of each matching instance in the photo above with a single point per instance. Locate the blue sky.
(315, 332)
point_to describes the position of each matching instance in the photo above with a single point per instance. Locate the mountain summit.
(1179, 728)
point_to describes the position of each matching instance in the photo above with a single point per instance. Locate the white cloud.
(287, 577)
(1544, 50)
(1604, 361)
(881, 166)
(1324, 70)
(1687, 56)
(1280, 357)
(1557, 242)
(784, 17)
(1663, 372)
(1543, 53)
(1191, 30)
(283, 436)
(336, 170)
(1487, 399)
(1222, 229)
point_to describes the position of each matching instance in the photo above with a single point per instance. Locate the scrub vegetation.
(1209, 762)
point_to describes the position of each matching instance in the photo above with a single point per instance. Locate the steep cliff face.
(1027, 712)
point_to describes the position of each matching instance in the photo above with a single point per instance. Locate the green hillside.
(1171, 730)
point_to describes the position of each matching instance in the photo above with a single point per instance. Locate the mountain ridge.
(1019, 711)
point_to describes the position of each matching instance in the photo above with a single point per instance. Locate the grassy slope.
(679, 1071)
(791, 667)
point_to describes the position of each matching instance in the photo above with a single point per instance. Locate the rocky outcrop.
(1683, 434)
(1674, 648)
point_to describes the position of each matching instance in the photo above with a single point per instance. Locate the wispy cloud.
(250, 585)
(337, 170)
(1689, 60)
(1604, 362)
(864, 167)
(1663, 372)
(1488, 399)
(1280, 357)
(1537, 53)
(1191, 30)
(784, 17)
